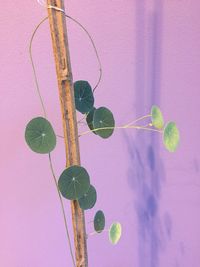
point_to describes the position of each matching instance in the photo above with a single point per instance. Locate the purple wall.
(150, 55)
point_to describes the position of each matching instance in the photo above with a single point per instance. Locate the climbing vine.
(74, 182)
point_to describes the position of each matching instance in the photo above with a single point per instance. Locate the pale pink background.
(150, 55)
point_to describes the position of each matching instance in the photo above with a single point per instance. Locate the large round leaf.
(157, 117)
(89, 119)
(104, 122)
(88, 200)
(99, 221)
(84, 99)
(74, 182)
(40, 135)
(171, 136)
(115, 232)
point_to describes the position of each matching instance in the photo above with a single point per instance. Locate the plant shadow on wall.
(74, 182)
(146, 174)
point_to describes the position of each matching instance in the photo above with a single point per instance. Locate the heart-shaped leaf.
(171, 136)
(40, 136)
(84, 98)
(115, 232)
(157, 117)
(104, 122)
(88, 200)
(74, 182)
(99, 221)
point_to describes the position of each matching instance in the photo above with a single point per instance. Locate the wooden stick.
(58, 29)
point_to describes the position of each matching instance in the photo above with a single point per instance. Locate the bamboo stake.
(58, 30)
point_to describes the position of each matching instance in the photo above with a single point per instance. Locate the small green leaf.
(84, 98)
(88, 200)
(89, 119)
(115, 232)
(103, 118)
(74, 182)
(99, 221)
(40, 136)
(171, 136)
(157, 117)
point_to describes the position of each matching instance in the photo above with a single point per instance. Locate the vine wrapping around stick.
(42, 3)
(33, 65)
(41, 137)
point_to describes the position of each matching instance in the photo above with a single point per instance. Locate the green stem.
(93, 233)
(95, 50)
(139, 119)
(33, 66)
(60, 136)
(121, 127)
(63, 209)
(145, 128)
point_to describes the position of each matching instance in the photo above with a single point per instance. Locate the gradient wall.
(150, 55)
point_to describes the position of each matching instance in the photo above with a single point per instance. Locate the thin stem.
(91, 221)
(83, 123)
(139, 119)
(145, 128)
(33, 66)
(121, 127)
(60, 136)
(93, 233)
(83, 118)
(95, 49)
(147, 125)
(63, 209)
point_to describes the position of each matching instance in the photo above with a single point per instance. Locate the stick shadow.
(146, 174)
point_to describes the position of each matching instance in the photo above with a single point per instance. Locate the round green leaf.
(99, 221)
(40, 136)
(74, 182)
(171, 136)
(115, 232)
(103, 118)
(84, 99)
(88, 200)
(157, 117)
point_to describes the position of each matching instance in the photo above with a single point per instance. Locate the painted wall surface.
(150, 55)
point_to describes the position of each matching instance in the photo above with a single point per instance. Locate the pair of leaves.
(100, 119)
(74, 184)
(115, 229)
(171, 136)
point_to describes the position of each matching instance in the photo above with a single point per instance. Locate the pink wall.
(150, 55)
